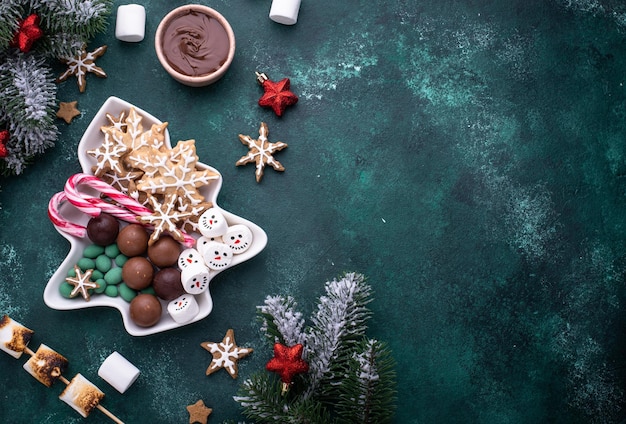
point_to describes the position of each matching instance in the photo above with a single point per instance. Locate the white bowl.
(91, 139)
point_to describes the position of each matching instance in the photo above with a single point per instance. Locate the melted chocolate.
(195, 44)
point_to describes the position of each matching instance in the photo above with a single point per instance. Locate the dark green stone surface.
(467, 156)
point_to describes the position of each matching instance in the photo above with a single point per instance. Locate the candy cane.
(61, 223)
(126, 209)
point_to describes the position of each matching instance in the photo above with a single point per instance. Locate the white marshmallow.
(14, 337)
(82, 395)
(202, 242)
(189, 257)
(183, 308)
(130, 25)
(217, 256)
(212, 223)
(238, 238)
(195, 278)
(285, 11)
(118, 372)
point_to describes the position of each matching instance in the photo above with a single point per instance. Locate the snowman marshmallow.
(238, 238)
(195, 279)
(183, 308)
(212, 223)
(189, 257)
(217, 256)
(203, 241)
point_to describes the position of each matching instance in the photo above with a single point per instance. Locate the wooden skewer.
(67, 382)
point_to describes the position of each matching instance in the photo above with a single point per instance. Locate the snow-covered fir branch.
(280, 320)
(340, 320)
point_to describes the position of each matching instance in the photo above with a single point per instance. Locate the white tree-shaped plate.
(92, 138)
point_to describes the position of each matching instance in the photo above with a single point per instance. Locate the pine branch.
(262, 400)
(280, 321)
(367, 391)
(340, 321)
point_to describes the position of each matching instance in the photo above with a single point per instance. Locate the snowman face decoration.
(203, 242)
(195, 280)
(212, 223)
(183, 308)
(217, 256)
(188, 258)
(238, 238)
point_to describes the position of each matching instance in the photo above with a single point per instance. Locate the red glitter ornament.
(287, 362)
(4, 137)
(27, 33)
(277, 94)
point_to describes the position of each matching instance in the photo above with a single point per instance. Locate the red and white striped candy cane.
(61, 223)
(125, 207)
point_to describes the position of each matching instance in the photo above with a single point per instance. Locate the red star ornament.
(287, 362)
(27, 33)
(277, 94)
(4, 138)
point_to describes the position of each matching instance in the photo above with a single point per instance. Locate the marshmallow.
(285, 11)
(212, 223)
(217, 256)
(130, 24)
(82, 395)
(238, 238)
(46, 365)
(203, 241)
(189, 257)
(195, 278)
(118, 372)
(14, 337)
(183, 308)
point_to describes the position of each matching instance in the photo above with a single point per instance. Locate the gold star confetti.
(261, 151)
(67, 111)
(82, 283)
(198, 412)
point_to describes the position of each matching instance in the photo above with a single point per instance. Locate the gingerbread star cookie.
(226, 354)
(82, 283)
(67, 111)
(198, 412)
(81, 65)
(165, 218)
(261, 151)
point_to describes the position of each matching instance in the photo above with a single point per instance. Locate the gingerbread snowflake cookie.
(261, 152)
(82, 64)
(226, 354)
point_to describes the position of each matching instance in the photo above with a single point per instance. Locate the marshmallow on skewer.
(14, 337)
(46, 365)
(118, 372)
(82, 395)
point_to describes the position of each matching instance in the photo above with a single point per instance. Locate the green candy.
(112, 250)
(111, 291)
(120, 260)
(148, 290)
(96, 275)
(113, 276)
(103, 263)
(102, 286)
(126, 292)
(93, 251)
(66, 288)
(71, 273)
(86, 263)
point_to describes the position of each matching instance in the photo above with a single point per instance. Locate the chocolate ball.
(133, 240)
(164, 252)
(167, 285)
(103, 229)
(145, 310)
(137, 273)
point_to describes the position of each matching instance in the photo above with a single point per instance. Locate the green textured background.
(468, 157)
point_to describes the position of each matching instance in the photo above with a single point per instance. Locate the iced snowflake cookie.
(261, 152)
(226, 354)
(82, 64)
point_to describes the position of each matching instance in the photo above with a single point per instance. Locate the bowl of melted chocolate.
(195, 44)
